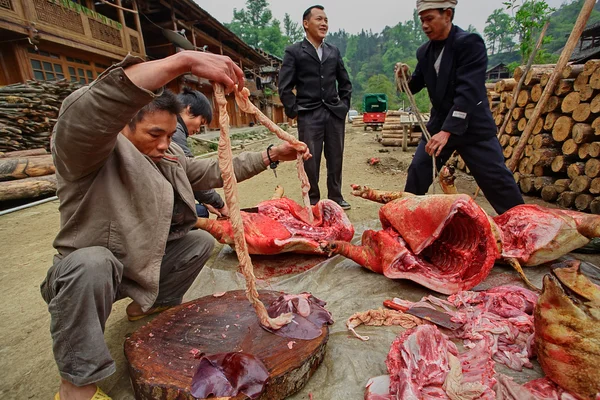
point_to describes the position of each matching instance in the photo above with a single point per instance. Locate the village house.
(78, 39)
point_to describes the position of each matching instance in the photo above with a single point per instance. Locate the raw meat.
(309, 316)
(443, 242)
(381, 317)
(424, 364)
(503, 314)
(228, 374)
(282, 225)
(447, 243)
(534, 235)
(567, 325)
(538, 389)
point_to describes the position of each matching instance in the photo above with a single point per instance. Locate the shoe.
(154, 310)
(99, 395)
(344, 204)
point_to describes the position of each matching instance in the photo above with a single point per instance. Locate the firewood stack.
(28, 112)
(393, 128)
(358, 121)
(26, 174)
(561, 162)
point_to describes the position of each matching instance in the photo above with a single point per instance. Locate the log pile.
(561, 162)
(358, 121)
(398, 122)
(28, 112)
(26, 174)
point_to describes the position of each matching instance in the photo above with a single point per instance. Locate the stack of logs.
(26, 174)
(28, 112)
(561, 161)
(396, 124)
(358, 122)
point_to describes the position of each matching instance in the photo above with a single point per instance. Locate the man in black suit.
(452, 66)
(313, 67)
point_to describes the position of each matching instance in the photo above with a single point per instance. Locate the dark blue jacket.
(314, 80)
(458, 94)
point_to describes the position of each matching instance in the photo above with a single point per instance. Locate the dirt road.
(26, 361)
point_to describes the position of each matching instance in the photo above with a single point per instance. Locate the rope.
(402, 84)
(231, 197)
(242, 99)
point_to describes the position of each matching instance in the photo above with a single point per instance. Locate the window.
(48, 66)
(46, 70)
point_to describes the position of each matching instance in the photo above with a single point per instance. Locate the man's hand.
(216, 68)
(437, 143)
(222, 212)
(285, 152)
(398, 68)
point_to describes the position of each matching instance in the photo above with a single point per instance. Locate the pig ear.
(229, 374)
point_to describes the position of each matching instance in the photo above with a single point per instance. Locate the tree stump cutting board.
(161, 355)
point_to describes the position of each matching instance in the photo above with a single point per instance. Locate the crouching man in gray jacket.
(127, 207)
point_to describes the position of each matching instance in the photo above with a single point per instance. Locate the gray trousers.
(81, 288)
(323, 132)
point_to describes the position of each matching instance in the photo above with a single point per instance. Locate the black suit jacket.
(458, 94)
(314, 80)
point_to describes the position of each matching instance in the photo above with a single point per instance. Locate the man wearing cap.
(452, 66)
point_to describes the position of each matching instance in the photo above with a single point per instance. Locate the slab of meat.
(534, 235)
(567, 325)
(424, 364)
(538, 389)
(443, 242)
(502, 315)
(228, 374)
(282, 225)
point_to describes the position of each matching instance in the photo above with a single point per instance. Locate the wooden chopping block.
(160, 354)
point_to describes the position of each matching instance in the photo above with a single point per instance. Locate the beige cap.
(423, 5)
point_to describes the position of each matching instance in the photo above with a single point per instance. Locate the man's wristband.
(272, 164)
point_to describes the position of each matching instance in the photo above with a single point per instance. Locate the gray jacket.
(203, 196)
(113, 196)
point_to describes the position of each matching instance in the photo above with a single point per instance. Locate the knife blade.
(253, 210)
(434, 316)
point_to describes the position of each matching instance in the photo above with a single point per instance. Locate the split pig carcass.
(281, 225)
(448, 243)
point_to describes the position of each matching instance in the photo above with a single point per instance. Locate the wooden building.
(78, 39)
(497, 72)
(589, 45)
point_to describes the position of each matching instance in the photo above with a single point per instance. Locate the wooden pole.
(584, 15)
(508, 114)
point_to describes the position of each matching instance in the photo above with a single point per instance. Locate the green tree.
(292, 30)
(498, 31)
(256, 26)
(529, 18)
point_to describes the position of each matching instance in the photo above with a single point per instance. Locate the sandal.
(99, 395)
(154, 310)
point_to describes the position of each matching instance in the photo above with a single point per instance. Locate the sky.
(355, 15)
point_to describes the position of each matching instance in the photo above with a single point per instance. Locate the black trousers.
(322, 131)
(486, 162)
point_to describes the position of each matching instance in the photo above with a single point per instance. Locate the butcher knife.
(250, 210)
(429, 314)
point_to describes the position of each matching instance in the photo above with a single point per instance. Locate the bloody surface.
(163, 355)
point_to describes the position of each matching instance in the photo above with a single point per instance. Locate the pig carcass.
(282, 225)
(447, 243)
(567, 331)
(443, 242)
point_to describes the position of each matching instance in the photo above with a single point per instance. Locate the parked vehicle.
(351, 115)
(375, 106)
